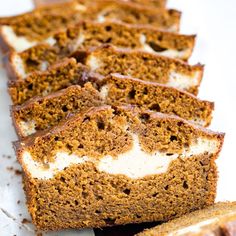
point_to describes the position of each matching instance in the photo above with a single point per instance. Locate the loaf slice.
(118, 165)
(24, 31)
(90, 34)
(154, 3)
(151, 67)
(59, 76)
(41, 113)
(219, 219)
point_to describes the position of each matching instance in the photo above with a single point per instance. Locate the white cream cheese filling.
(62, 160)
(182, 81)
(104, 91)
(18, 65)
(18, 43)
(168, 52)
(93, 62)
(27, 127)
(134, 164)
(51, 41)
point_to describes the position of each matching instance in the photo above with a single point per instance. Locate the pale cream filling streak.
(168, 52)
(18, 43)
(134, 164)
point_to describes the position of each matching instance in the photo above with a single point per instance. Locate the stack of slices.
(104, 104)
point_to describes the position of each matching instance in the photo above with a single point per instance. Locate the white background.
(214, 21)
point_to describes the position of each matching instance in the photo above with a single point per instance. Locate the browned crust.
(18, 145)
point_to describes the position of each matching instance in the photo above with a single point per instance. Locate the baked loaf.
(43, 112)
(155, 3)
(24, 31)
(80, 173)
(85, 35)
(219, 219)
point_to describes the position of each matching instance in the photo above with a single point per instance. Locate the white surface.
(214, 22)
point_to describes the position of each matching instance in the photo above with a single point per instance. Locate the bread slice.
(24, 31)
(154, 3)
(219, 219)
(41, 113)
(157, 167)
(106, 59)
(87, 34)
(62, 75)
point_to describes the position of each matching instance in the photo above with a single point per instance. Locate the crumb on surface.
(25, 221)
